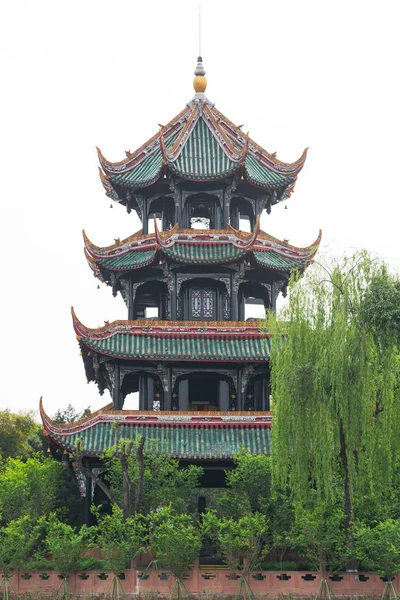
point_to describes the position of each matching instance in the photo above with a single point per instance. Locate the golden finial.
(200, 82)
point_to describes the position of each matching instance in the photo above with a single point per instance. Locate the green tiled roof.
(180, 442)
(202, 157)
(273, 260)
(208, 147)
(204, 253)
(260, 175)
(203, 348)
(145, 173)
(130, 260)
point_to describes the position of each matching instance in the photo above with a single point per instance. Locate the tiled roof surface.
(273, 260)
(189, 435)
(202, 158)
(262, 176)
(199, 348)
(194, 442)
(145, 173)
(177, 340)
(202, 254)
(126, 262)
(199, 247)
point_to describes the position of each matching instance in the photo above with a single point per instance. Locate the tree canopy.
(335, 383)
(20, 435)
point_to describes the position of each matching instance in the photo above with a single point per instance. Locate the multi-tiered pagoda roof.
(201, 365)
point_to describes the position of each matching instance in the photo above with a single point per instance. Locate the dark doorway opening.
(203, 393)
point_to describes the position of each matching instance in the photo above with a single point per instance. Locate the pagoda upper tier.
(199, 145)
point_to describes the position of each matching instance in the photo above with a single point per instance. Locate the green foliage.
(319, 534)
(120, 540)
(17, 541)
(242, 542)
(29, 488)
(381, 305)
(248, 486)
(378, 548)
(164, 480)
(281, 513)
(69, 415)
(334, 386)
(20, 435)
(66, 545)
(173, 540)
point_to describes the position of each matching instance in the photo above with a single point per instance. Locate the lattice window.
(196, 303)
(208, 304)
(202, 303)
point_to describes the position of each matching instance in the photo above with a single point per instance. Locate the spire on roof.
(200, 82)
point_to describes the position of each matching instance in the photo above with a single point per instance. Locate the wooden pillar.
(239, 393)
(150, 393)
(173, 296)
(117, 389)
(241, 307)
(226, 212)
(273, 294)
(168, 390)
(177, 212)
(235, 298)
(184, 394)
(143, 392)
(131, 303)
(218, 305)
(217, 216)
(223, 396)
(145, 217)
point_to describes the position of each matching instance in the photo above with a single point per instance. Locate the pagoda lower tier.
(185, 436)
(210, 440)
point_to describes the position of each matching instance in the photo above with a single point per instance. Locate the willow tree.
(334, 385)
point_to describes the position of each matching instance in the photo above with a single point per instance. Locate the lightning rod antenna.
(199, 29)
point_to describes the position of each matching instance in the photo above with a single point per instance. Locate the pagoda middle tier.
(200, 350)
(223, 269)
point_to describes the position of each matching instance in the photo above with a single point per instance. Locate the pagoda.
(193, 345)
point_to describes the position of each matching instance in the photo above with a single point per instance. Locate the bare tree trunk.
(126, 487)
(96, 480)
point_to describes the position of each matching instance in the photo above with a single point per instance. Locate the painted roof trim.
(214, 329)
(164, 418)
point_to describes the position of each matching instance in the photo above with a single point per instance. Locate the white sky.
(82, 73)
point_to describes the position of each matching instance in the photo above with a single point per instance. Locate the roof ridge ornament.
(200, 82)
